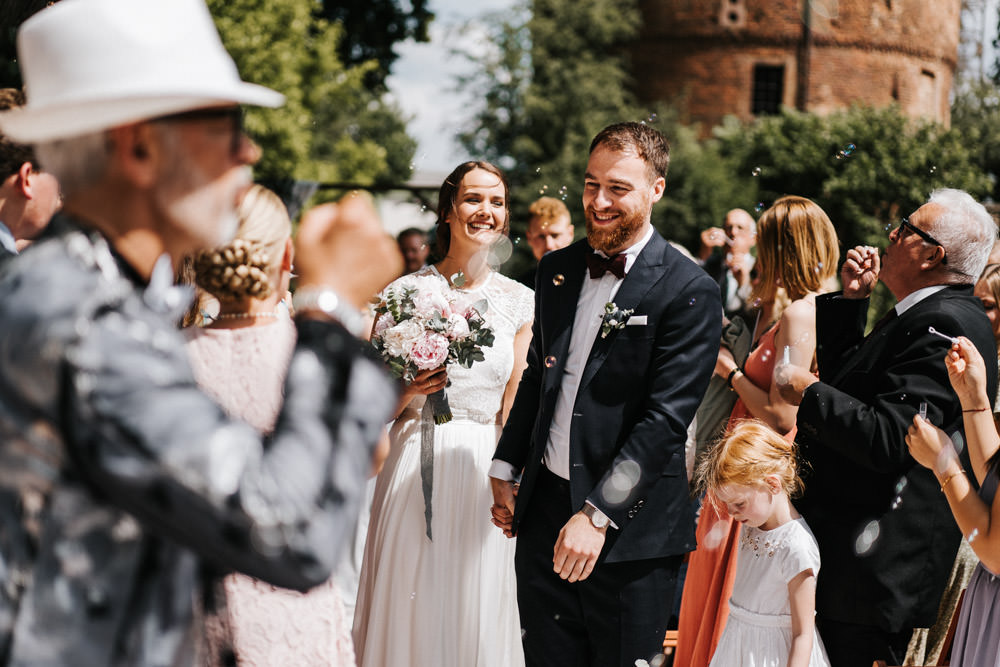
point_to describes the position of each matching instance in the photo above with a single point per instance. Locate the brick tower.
(712, 58)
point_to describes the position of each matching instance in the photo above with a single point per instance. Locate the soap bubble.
(500, 252)
(550, 361)
(692, 301)
(867, 538)
(973, 535)
(756, 171)
(558, 279)
(759, 208)
(619, 486)
(933, 169)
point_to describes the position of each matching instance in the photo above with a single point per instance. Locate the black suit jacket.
(886, 535)
(639, 391)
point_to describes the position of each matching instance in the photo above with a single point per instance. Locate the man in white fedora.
(119, 479)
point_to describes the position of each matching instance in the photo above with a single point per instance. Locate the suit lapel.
(561, 311)
(644, 273)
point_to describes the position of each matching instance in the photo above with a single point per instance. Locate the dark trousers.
(614, 617)
(852, 645)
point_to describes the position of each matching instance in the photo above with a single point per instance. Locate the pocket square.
(636, 320)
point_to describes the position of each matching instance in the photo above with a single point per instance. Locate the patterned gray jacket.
(119, 479)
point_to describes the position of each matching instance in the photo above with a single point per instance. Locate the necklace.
(245, 316)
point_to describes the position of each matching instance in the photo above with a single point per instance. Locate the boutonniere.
(614, 318)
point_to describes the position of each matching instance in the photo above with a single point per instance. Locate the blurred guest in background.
(732, 263)
(28, 196)
(549, 228)
(413, 245)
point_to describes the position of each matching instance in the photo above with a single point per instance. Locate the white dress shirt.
(594, 294)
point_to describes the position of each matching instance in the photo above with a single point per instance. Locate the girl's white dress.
(759, 628)
(450, 602)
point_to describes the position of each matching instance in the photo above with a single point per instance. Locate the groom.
(626, 334)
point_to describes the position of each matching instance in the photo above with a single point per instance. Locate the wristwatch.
(330, 303)
(597, 518)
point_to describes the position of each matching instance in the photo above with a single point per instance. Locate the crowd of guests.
(645, 426)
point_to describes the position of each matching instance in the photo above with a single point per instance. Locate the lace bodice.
(477, 392)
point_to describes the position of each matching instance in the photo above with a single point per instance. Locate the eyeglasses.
(905, 223)
(233, 114)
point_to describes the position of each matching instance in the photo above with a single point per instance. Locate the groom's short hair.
(647, 142)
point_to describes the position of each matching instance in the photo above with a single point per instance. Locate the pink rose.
(429, 351)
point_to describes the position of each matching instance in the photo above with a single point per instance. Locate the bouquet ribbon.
(435, 411)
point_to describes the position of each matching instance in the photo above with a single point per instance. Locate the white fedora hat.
(91, 65)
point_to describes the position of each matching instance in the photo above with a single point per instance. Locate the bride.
(451, 601)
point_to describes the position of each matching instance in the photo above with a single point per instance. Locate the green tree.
(372, 28)
(13, 14)
(331, 127)
(553, 76)
(865, 167)
(975, 114)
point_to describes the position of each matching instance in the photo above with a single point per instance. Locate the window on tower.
(768, 89)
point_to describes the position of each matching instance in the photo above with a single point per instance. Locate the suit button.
(639, 503)
(631, 514)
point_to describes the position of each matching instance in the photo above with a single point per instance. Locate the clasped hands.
(579, 543)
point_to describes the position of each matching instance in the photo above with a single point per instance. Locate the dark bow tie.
(599, 265)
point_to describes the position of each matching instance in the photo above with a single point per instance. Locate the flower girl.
(752, 472)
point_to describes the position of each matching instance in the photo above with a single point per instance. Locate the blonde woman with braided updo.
(241, 359)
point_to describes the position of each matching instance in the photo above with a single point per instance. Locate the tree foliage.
(865, 167)
(553, 76)
(975, 115)
(371, 29)
(331, 127)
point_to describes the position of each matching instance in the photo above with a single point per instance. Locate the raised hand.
(713, 237)
(967, 373)
(343, 246)
(930, 446)
(860, 272)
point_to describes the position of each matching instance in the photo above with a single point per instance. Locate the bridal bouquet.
(418, 327)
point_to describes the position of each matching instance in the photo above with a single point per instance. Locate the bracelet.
(976, 410)
(949, 478)
(729, 379)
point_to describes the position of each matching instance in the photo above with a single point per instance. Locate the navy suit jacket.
(640, 388)
(886, 535)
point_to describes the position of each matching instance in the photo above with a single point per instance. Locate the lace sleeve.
(515, 300)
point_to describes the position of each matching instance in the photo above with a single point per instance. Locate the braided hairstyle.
(247, 267)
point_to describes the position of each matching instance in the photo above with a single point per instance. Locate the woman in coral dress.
(797, 251)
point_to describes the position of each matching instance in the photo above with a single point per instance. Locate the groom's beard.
(610, 240)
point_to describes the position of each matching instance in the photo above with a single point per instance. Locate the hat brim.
(70, 118)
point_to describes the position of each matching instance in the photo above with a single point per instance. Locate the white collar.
(913, 298)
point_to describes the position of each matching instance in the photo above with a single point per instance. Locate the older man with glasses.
(119, 479)
(886, 535)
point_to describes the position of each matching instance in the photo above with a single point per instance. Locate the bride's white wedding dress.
(450, 602)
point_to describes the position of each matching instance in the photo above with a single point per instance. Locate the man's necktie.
(599, 265)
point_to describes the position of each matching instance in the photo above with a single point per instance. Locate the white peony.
(400, 338)
(457, 327)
